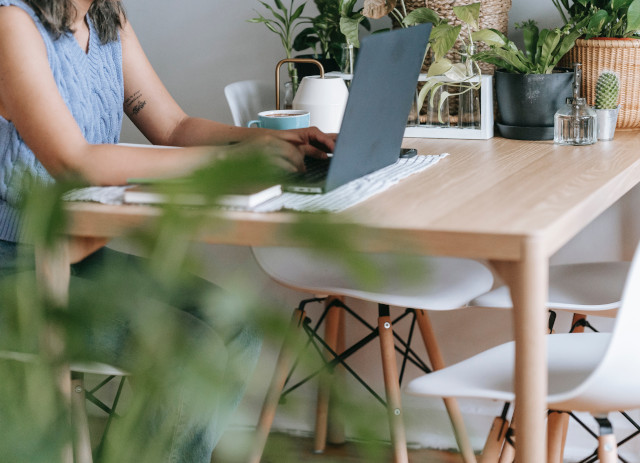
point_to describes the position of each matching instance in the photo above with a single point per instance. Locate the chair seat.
(593, 288)
(571, 358)
(435, 283)
(79, 367)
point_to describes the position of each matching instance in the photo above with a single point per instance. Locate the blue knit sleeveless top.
(92, 86)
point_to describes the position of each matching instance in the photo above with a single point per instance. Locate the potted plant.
(529, 88)
(607, 107)
(444, 77)
(284, 23)
(324, 34)
(611, 42)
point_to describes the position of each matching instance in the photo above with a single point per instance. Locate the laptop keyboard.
(317, 169)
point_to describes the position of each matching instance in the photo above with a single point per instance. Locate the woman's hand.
(311, 140)
(288, 148)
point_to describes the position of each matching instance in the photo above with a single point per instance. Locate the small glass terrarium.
(575, 123)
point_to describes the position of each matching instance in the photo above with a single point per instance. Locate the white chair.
(592, 372)
(448, 284)
(592, 288)
(82, 452)
(246, 98)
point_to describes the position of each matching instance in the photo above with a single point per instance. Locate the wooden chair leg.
(335, 424)
(283, 365)
(496, 438)
(508, 454)
(80, 422)
(437, 363)
(392, 385)
(557, 427)
(331, 332)
(607, 446)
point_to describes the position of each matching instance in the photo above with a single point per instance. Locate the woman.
(69, 70)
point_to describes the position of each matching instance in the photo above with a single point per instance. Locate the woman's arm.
(30, 99)
(156, 114)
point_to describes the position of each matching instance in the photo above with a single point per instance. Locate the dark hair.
(57, 15)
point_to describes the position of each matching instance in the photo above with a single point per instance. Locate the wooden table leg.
(528, 281)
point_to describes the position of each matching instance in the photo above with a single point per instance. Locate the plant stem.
(560, 10)
(398, 17)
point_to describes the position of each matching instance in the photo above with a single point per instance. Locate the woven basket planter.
(494, 14)
(621, 56)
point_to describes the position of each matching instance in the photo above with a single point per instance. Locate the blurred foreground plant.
(34, 420)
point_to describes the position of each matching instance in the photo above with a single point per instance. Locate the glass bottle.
(469, 99)
(287, 99)
(575, 123)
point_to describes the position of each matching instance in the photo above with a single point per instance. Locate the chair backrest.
(246, 98)
(616, 380)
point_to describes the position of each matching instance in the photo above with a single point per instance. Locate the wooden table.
(513, 203)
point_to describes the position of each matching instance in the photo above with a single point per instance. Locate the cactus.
(607, 89)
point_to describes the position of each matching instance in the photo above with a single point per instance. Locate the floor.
(282, 448)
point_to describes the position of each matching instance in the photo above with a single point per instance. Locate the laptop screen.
(380, 98)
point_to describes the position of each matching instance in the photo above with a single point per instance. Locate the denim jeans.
(232, 347)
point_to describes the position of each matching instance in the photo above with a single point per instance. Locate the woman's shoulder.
(17, 14)
(18, 5)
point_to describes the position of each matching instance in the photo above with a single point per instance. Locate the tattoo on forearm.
(136, 101)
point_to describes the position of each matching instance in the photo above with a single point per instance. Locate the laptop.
(380, 98)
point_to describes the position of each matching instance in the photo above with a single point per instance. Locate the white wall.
(199, 46)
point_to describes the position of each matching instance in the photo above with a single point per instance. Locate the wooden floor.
(283, 448)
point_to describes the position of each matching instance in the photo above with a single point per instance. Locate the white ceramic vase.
(325, 99)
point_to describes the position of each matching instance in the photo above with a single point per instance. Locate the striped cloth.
(336, 200)
(352, 193)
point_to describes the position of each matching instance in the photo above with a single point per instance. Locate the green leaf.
(619, 4)
(349, 28)
(443, 38)
(491, 37)
(468, 14)
(597, 22)
(443, 97)
(530, 34)
(421, 16)
(426, 88)
(549, 40)
(633, 17)
(305, 39)
(297, 13)
(457, 73)
(273, 12)
(439, 67)
(280, 6)
(514, 62)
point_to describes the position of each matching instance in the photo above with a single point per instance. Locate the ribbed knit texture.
(91, 84)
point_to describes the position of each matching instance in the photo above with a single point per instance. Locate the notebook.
(380, 97)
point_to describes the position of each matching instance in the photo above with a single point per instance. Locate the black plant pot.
(528, 102)
(309, 69)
